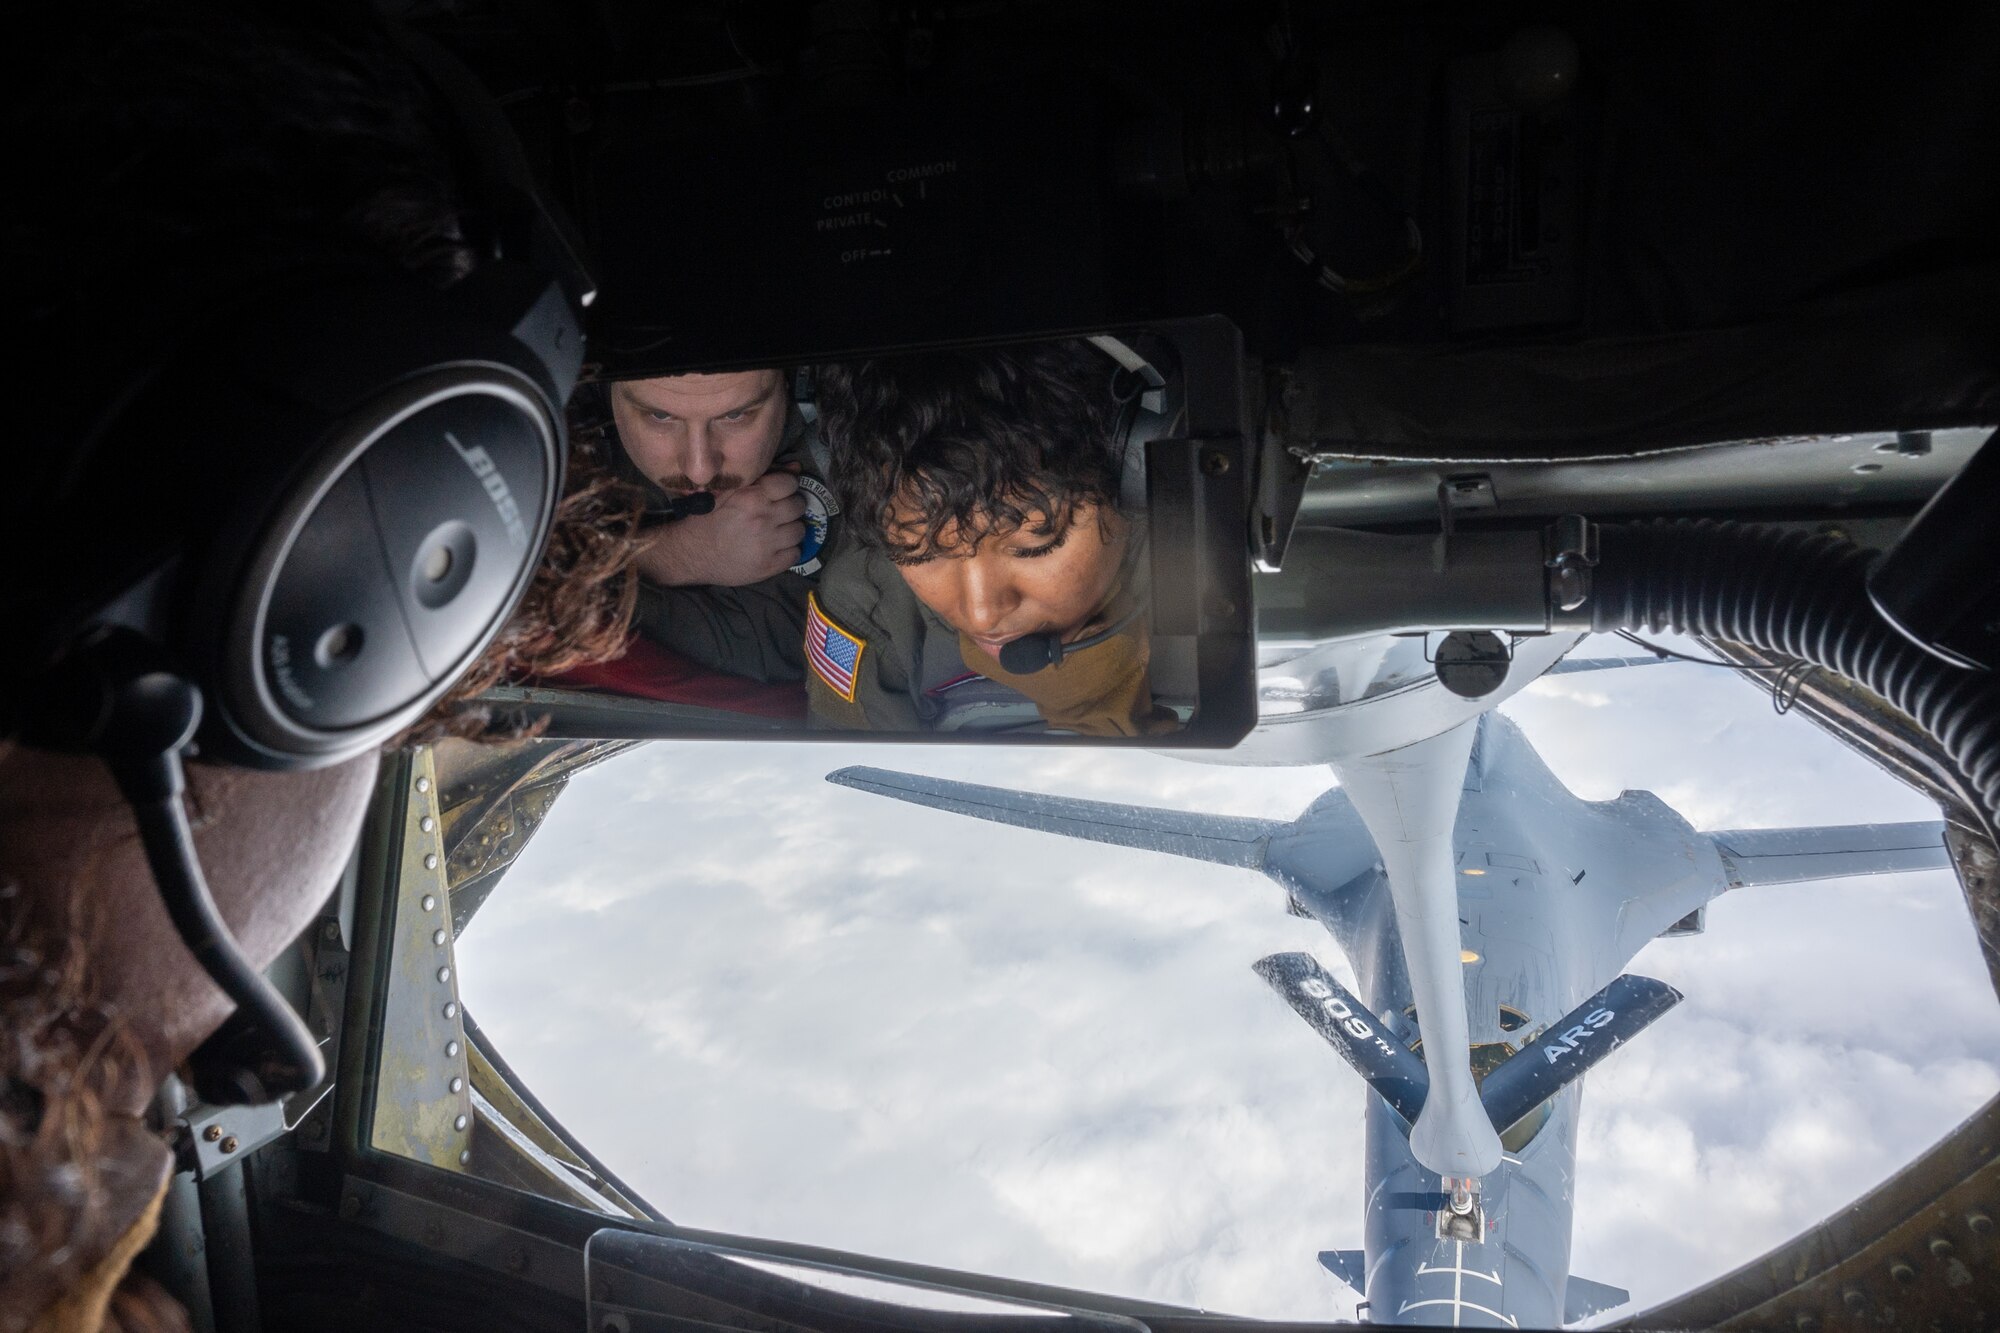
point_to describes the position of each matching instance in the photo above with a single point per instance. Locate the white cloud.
(1568, 690)
(784, 1008)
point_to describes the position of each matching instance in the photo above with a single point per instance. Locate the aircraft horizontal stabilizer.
(1224, 839)
(1583, 1298)
(1790, 855)
(1572, 1044)
(1350, 1266)
(1362, 1039)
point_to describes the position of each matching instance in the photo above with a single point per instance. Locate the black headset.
(1147, 403)
(284, 545)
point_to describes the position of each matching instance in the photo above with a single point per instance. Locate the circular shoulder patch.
(820, 509)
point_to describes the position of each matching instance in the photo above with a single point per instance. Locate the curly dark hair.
(64, 1058)
(978, 440)
(169, 157)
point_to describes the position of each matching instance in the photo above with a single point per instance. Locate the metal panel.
(1821, 473)
(178, 1256)
(224, 1135)
(423, 1102)
(640, 1283)
(232, 1269)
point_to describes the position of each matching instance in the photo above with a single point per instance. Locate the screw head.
(444, 974)
(457, 1085)
(438, 938)
(428, 903)
(212, 1133)
(451, 1049)
(1806, 1321)
(1854, 1300)
(459, 1123)
(1215, 463)
(451, 1008)
(1981, 1224)
(1940, 1247)
(427, 823)
(430, 861)
(1902, 1272)
(464, 1156)
(229, 1144)
(330, 932)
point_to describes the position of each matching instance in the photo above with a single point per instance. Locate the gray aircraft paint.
(1566, 892)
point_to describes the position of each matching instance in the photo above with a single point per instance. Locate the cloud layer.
(788, 1009)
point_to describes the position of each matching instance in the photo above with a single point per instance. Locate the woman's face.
(1018, 581)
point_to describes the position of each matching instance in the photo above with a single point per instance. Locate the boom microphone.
(1031, 652)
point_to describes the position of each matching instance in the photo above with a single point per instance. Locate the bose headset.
(1146, 406)
(1147, 403)
(380, 464)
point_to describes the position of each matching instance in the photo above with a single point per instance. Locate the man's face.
(691, 433)
(1021, 581)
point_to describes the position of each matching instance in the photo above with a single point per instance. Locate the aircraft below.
(1554, 896)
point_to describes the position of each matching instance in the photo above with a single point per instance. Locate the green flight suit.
(755, 631)
(910, 662)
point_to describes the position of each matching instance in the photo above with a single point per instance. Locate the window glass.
(782, 1007)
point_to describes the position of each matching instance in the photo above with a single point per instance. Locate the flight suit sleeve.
(827, 710)
(1102, 690)
(756, 632)
(863, 636)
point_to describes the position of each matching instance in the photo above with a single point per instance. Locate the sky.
(781, 1008)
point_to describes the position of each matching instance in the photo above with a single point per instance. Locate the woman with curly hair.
(170, 158)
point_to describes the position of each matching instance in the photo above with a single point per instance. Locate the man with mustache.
(726, 587)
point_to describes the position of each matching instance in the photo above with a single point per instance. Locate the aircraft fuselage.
(1556, 895)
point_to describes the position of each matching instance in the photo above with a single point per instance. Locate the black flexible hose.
(1804, 595)
(139, 720)
(276, 1054)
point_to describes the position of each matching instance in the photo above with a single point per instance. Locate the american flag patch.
(834, 653)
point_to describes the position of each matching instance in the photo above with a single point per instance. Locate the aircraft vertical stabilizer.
(1572, 1044)
(1362, 1039)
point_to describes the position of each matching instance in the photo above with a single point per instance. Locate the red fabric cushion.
(648, 671)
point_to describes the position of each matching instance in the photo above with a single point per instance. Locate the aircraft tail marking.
(1361, 1038)
(1572, 1044)
(1224, 839)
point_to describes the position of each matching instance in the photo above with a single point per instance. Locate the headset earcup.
(384, 512)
